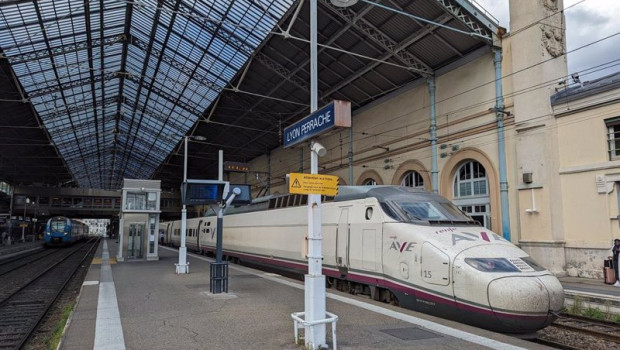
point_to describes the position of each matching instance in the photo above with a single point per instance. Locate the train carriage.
(62, 230)
(396, 244)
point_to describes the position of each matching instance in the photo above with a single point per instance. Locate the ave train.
(396, 244)
(62, 230)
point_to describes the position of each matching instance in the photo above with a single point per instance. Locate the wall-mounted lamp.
(528, 178)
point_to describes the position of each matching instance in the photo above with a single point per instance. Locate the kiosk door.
(134, 240)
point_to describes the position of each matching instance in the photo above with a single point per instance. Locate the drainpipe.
(431, 91)
(499, 112)
(351, 183)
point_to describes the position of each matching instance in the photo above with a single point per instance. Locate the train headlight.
(491, 265)
(48, 233)
(65, 233)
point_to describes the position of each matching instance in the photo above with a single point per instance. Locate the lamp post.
(26, 202)
(182, 266)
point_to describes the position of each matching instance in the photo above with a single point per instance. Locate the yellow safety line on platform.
(97, 261)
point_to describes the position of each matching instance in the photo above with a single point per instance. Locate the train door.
(134, 240)
(370, 240)
(435, 265)
(342, 241)
(198, 236)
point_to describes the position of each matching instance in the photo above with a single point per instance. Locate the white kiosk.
(139, 220)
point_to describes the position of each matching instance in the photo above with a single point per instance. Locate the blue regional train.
(61, 230)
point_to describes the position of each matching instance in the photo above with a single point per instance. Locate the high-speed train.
(396, 244)
(62, 230)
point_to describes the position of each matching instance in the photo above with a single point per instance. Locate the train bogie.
(400, 245)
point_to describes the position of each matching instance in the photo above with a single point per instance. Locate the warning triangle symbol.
(296, 184)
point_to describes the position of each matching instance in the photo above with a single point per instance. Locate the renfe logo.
(404, 247)
(466, 236)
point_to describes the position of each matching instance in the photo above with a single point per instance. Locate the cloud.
(586, 22)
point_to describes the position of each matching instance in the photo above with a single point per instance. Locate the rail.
(23, 307)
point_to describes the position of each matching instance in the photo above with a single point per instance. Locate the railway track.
(609, 331)
(32, 290)
(17, 262)
(575, 332)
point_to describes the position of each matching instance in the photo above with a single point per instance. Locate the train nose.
(524, 304)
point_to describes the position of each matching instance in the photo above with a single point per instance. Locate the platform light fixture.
(343, 3)
(182, 266)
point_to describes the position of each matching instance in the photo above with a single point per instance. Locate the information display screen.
(202, 193)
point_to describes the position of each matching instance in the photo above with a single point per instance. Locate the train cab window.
(58, 225)
(369, 211)
(426, 211)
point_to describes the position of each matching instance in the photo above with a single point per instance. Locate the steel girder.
(462, 11)
(380, 38)
(64, 49)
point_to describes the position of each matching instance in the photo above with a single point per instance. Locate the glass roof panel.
(178, 57)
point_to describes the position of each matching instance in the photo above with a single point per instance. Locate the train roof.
(384, 192)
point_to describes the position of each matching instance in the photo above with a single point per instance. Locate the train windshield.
(58, 225)
(430, 211)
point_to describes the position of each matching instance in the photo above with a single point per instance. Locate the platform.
(8, 250)
(158, 309)
(590, 293)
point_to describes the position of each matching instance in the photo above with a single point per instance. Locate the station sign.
(326, 185)
(335, 114)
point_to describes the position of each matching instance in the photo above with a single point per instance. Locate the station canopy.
(96, 91)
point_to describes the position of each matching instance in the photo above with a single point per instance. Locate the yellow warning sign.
(313, 184)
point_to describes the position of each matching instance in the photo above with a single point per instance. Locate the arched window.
(412, 179)
(369, 182)
(471, 192)
(471, 181)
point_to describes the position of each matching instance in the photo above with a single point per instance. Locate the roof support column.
(351, 181)
(433, 130)
(499, 112)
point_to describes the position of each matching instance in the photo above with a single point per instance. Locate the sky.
(587, 21)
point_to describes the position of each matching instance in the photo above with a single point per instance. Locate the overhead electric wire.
(468, 139)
